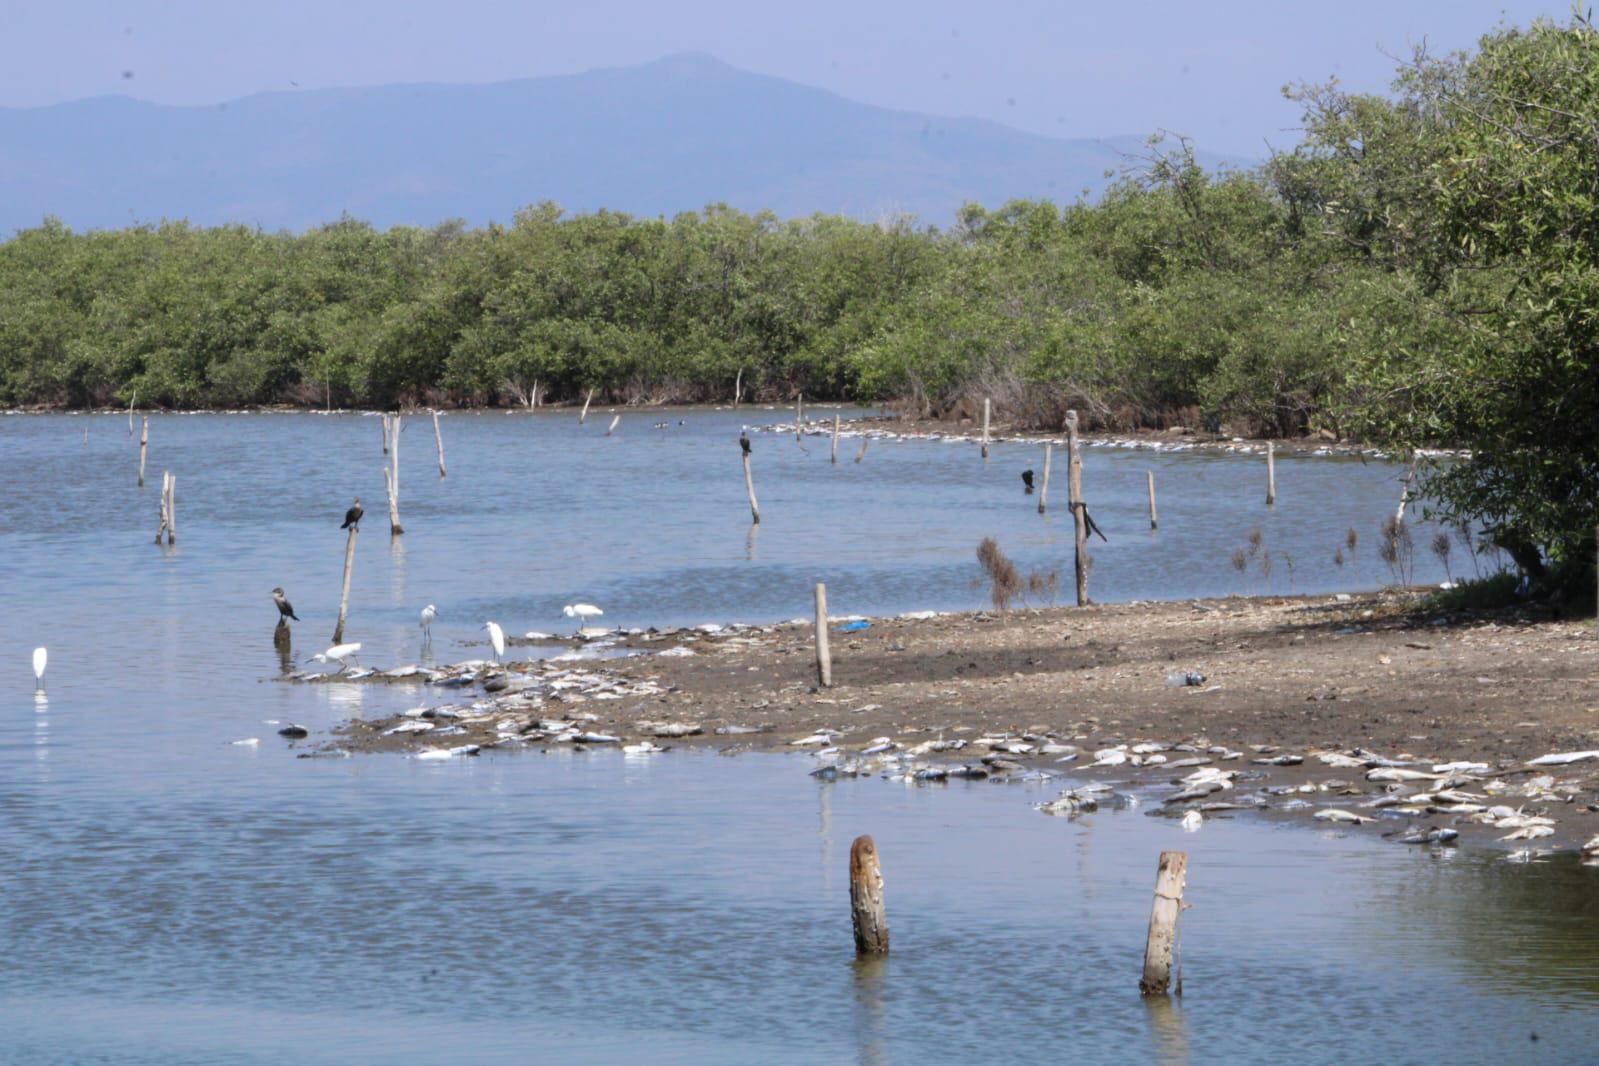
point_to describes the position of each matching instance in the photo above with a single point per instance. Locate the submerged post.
(584, 417)
(865, 440)
(749, 487)
(391, 474)
(867, 913)
(1154, 522)
(987, 404)
(344, 591)
(824, 661)
(835, 439)
(612, 427)
(144, 446)
(438, 438)
(1043, 490)
(1169, 883)
(1074, 494)
(1271, 473)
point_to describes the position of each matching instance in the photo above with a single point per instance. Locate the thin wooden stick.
(1404, 495)
(1043, 490)
(144, 446)
(438, 438)
(738, 386)
(612, 427)
(749, 487)
(172, 508)
(868, 916)
(344, 592)
(1271, 473)
(1154, 521)
(584, 417)
(131, 402)
(865, 440)
(383, 421)
(987, 404)
(824, 661)
(162, 528)
(1169, 882)
(835, 439)
(1074, 492)
(799, 415)
(391, 475)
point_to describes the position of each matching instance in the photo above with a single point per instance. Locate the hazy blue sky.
(1209, 68)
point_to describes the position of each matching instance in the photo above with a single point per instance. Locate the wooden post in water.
(738, 386)
(391, 474)
(1043, 490)
(865, 440)
(144, 445)
(344, 590)
(1271, 473)
(131, 402)
(383, 422)
(1169, 881)
(749, 487)
(1154, 522)
(438, 438)
(584, 417)
(161, 529)
(1074, 494)
(987, 404)
(799, 415)
(824, 661)
(1404, 495)
(172, 507)
(867, 913)
(612, 427)
(835, 439)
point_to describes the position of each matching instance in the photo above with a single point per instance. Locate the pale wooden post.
(1271, 473)
(1169, 882)
(162, 528)
(738, 386)
(144, 446)
(1154, 522)
(534, 399)
(986, 406)
(799, 415)
(344, 591)
(391, 476)
(612, 427)
(584, 417)
(131, 402)
(438, 438)
(1043, 490)
(172, 508)
(383, 426)
(824, 661)
(749, 487)
(835, 439)
(865, 440)
(867, 913)
(1404, 495)
(1074, 493)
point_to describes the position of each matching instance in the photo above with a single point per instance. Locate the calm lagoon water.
(170, 896)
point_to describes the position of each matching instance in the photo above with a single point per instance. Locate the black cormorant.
(1027, 479)
(285, 608)
(744, 441)
(352, 517)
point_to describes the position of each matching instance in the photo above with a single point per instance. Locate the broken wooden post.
(171, 489)
(1074, 495)
(1043, 490)
(1271, 473)
(612, 427)
(835, 439)
(584, 416)
(1154, 522)
(1169, 881)
(867, 914)
(144, 446)
(824, 661)
(391, 473)
(749, 487)
(438, 438)
(344, 591)
(986, 407)
(865, 440)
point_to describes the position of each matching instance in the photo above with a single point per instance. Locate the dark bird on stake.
(352, 517)
(1027, 480)
(744, 441)
(285, 608)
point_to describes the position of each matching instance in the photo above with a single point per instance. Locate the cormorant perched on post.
(1027, 479)
(285, 608)
(352, 517)
(744, 440)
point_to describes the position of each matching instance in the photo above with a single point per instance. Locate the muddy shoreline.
(1299, 704)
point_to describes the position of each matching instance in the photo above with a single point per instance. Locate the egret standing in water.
(341, 653)
(496, 638)
(285, 608)
(582, 612)
(429, 613)
(40, 657)
(352, 517)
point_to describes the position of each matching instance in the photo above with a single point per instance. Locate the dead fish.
(1393, 773)
(1192, 821)
(1280, 760)
(879, 746)
(1453, 767)
(448, 753)
(1058, 749)
(1332, 814)
(1561, 758)
(642, 748)
(1431, 835)
(815, 738)
(1110, 757)
(597, 738)
(1183, 764)
(1340, 761)
(1530, 832)
(973, 771)
(931, 773)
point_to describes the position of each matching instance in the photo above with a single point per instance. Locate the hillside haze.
(656, 139)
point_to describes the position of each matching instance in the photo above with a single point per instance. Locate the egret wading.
(340, 653)
(352, 517)
(285, 608)
(496, 638)
(40, 657)
(429, 613)
(582, 612)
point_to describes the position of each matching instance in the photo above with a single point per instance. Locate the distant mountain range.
(668, 136)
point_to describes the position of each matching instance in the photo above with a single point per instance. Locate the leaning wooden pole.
(824, 660)
(835, 439)
(144, 446)
(344, 590)
(1074, 493)
(612, 427)
(438, 438)
(584, 417)
(865, 440)
(1043, 490)
(383, 421)
(738, 386)
(867, 913)
(1154, 520)
(749, 487)
(1170, 879)
(987, 406)
(131, 402)
(1271, 473)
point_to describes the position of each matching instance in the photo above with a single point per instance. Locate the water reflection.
(869, 978)
(1167, 1029)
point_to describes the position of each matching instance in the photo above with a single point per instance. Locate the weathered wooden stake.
(1271, 473)
(612, 427)
(131, 402)
(987, 404)
(738, 386)
(1074, 493)
(172, 507)
(867, 914)
(584, 417)
(144, 445)
(1154, 522)
(391, 473)
(161, 529)
(835, 439)
(534, 399)
(344, 591)
(749, 487)
(865, 440)
(438, 438)
(799, 415)
(1404, 495)
(383, 426)
(1169, 882)
(1043, 490)
(824, 661)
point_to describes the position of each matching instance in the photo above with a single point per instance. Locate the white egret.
(40, 657)
(582, 612)
(340, 653)
(496, 638)
(429, 613)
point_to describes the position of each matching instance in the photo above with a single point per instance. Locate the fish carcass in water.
(1530, 832)
(1333, 814)
(1431, 835)
(1192, 821)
